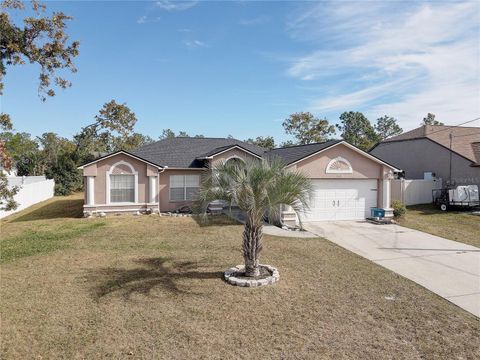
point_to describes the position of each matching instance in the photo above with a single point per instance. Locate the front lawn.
(454, 225)
(151, 287)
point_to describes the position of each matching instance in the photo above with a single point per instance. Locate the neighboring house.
(427, 150)
(165, 175)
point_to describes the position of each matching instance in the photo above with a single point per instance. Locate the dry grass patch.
(151, 287)
(454, 225)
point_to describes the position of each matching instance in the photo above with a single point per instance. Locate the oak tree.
(306, 128)
(39, 39)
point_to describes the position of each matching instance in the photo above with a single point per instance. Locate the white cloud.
(395, 58)
(175, 5)
(142, 20)
(145, 19)
(195, 44)
(259, 20)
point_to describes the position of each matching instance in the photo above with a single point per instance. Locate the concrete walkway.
(269, 229)
(276, 231)
(445, 267)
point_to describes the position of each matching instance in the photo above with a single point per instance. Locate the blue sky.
(240, 68)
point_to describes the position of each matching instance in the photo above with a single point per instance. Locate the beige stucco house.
(165, 175)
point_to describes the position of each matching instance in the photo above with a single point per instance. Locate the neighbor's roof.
(187, 152)
(463, 141)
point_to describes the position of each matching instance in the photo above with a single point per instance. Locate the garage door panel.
(341, 200)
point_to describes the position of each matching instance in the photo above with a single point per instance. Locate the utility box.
(377, 212)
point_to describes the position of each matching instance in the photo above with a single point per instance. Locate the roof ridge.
(192, 137)
(202, 137)
(315, 143)
(456, 126)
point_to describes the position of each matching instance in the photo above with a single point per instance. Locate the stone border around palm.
(231, 276)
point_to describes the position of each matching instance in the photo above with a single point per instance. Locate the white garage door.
(341, 200)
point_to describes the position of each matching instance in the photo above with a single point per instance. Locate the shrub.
(399, 208)
(66, 175)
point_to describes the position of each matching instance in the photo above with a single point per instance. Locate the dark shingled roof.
(185, 152)
(292, 154)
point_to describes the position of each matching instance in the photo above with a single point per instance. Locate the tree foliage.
(169, 134)
(18, 144)
(7, 202)
(287, 143)
(430, 120)
(306, 128)
(356, 129)
(41, 40)
(5, 122)
(115, 118)
(66, 175)
(112, 130)
(386, 127)
(267, 142)
(130, 142)
(38, 39)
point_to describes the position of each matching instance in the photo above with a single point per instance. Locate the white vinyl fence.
(413, 192)
(33, 189)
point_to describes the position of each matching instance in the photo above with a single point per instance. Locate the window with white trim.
(184, 187)
(122, 188)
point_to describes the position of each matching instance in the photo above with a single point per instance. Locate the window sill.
(123, 203)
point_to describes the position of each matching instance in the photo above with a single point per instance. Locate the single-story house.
(165, 175)
(451, 153)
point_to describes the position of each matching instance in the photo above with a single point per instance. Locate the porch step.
(291, 223)
(289, 218)
(289, 215)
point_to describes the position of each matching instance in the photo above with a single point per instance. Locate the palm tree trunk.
(252, 245)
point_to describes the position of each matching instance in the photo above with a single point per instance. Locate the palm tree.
(257, 188)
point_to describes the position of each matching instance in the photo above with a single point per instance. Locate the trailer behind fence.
(33, 189)
(413, 192)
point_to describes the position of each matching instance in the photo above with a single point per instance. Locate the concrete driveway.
(448, 268)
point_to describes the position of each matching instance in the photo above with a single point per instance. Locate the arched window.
(234, 160)
(339, 165)
(122, 184)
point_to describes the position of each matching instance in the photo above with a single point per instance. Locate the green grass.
(460, 226)
(37, 242)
